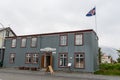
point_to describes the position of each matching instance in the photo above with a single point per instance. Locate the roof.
(7, 28)
(78, 31)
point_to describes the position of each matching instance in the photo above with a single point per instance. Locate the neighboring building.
(106, 58)
(80, 48)
(4, 32)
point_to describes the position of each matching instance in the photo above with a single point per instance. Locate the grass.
(108, 72)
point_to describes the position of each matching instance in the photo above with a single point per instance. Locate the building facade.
(78, 48)
(106, 58)
(4, 32)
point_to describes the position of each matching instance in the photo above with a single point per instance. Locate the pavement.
(57, 75)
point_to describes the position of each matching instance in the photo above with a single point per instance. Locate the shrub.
(110, 66)
(109, 69)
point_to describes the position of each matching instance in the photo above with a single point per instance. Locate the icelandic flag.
(91, 12)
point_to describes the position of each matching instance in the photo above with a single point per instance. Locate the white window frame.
(28, 58)
(14, 41)
(62, 62)
(80, 63)
(63, 40)
(33, 41)
(23, 42)
(12, 58)
(35, 58)
(79, 39)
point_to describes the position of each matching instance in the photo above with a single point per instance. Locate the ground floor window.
(31, 58)
(63, 59)
(12, 58)
(28, 58)
(35, 58)
(79, 60)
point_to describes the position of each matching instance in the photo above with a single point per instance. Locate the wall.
(90, 48)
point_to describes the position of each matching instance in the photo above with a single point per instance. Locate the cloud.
(43, 16)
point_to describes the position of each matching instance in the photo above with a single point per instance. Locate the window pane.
(77, 63)
(65, 61)
(61, 61)
(81, 55)
(23, 44)
(81, 63)
(34, 42)
(78, 39)
(77, 55)
(14, 43)
(65, 55)
(61, 55)
(77, 60)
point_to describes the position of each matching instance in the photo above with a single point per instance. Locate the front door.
(46, 60)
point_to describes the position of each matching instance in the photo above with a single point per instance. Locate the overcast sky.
(46, 16)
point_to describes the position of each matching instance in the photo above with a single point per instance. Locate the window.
(31, 58)
(12, 58)
(23, 42)
(78, 39)
(63, 59)
(7, 33)
(35, 58)
(13, 42)
(34, 42)
(28, 58)
(79, 60)
(63, 40)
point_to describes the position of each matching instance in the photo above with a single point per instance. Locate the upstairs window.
(63, 40)
(23, 42)
(78, 39)
(13, 43)
(7, 33)
(12, 58)
(34, 42)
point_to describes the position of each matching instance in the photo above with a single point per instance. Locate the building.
(4, 32)
(78, 48)
(106, 58)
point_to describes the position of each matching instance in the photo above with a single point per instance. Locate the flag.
(91, 12)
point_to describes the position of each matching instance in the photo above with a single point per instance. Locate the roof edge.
(65, 32)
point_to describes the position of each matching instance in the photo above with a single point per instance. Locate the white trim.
(48, 49)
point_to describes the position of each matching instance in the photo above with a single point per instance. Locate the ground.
(13, 74)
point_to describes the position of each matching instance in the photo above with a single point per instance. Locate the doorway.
(46, 60)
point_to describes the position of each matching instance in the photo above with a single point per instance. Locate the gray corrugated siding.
(90, 48)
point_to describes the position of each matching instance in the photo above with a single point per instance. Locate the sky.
(47, 16)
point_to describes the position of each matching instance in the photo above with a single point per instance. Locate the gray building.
(77, 49)
(4, 32)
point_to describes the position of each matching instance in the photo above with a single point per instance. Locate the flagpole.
(92, 12)
(95, 20)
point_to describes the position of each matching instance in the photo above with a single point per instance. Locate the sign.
(48, 49)
(69, 64)
(50, 69)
